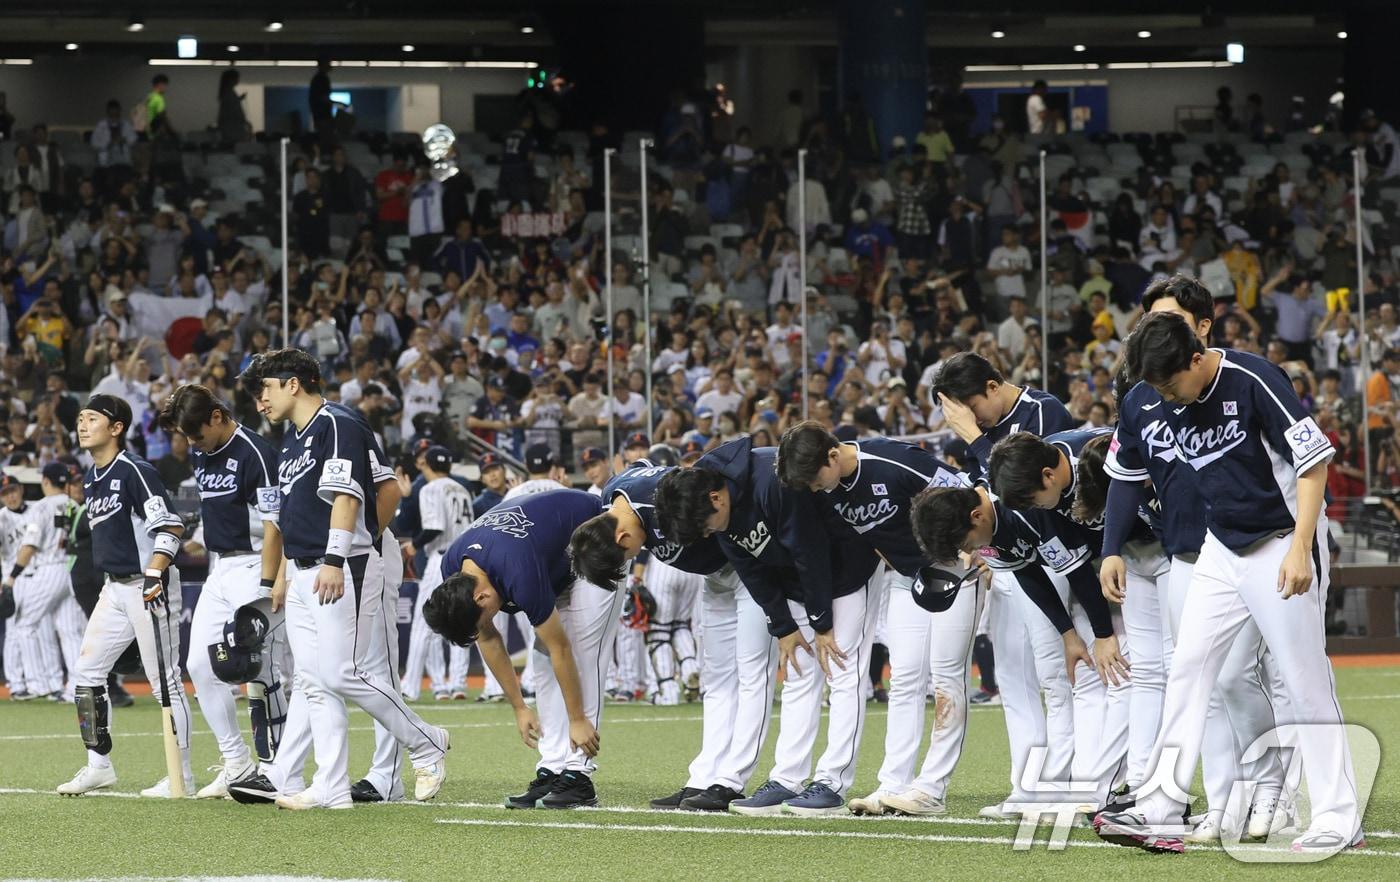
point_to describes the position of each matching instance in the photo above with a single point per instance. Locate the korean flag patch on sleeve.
(1306, 440)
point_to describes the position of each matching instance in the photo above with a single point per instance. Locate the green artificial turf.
(466, 834)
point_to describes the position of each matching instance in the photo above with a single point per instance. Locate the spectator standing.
(233, 123)
(1037, 111)
(425, 214)
(318, 101)
(391, 188)
(1009, 263)
(157, 111)
(313, 218)
(347, 195)
(517, 158)
(1297, 312)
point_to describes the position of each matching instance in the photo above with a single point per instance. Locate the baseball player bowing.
(238, 500)
(867, 487)
(331, 477)
(135, 538)
(515, 559)
(982, 408)
(738, 697)
(40, 577)
(1240, 708)
(818, 590)
(1262, 464)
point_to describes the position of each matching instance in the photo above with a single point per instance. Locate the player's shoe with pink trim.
(1327, 842)
(1130, 829)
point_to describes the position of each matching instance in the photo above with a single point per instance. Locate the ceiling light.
(186, 47)
(1079, 47)
(232, 48)
(135, 24)
(1143, 35)
(526, 29)
(1341, 35)
(407, 47)
(273, 24)
(1234, 53)
(997, 35)
(71, 47)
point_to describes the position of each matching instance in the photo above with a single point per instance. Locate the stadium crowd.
(139, 257)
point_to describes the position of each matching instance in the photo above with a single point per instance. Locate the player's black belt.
(306, 563)
(122, 577)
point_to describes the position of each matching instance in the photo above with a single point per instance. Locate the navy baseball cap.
(438, 458)
(636, 439)
(592, 455)
(539, 458)
(691, 448)
(56, 473)
(702, 412)
(113, 408)
(490, 461)
(9, 482)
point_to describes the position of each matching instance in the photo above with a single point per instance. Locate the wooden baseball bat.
(173, 767)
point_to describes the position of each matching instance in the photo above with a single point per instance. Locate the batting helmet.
(238, 658)
(663, 455)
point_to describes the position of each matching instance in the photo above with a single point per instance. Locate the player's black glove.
(7, 602)
(645, 600)
(153, 588)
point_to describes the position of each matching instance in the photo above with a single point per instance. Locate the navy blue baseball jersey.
(874, 501)
(1248, 438)
(126, 506)
(1070, 444)
(637, 484)
(238, 491)
(408, 520)
(778, 543)
(1144, 448)
(1037, 412)
(523, 547)
(336, 453)
(485, 501)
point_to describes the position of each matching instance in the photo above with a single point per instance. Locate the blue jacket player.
(135, 538)
(737, 649)
(515, 559)
(335, 490)
(236, 471)
(1262, 464)
(818, 587)
(868, 487)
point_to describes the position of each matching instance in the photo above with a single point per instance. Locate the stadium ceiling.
(502, 29)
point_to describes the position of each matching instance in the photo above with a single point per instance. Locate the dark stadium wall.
(1372, 65)
(884, 60)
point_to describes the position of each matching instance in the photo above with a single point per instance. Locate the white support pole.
(802, 269)
(286, 247)
(1356, 167)
(1044, 281)
(608, 291)
(642, 145)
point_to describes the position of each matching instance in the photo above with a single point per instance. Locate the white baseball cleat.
(161, 789)
(306, 800)
(869, 805)
(428, 780)
(1267, 817)
(218, 788)
(915, 802)
(1208, 830)
(87, 780)
(998, 812)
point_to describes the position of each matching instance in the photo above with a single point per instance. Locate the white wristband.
(167, 544)
(338, 543)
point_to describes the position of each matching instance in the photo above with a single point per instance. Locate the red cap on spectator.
(592, 455)
(636, 439)
(691, 448)
(490, 461)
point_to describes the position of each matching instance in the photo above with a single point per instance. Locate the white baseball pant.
(1146, 602)
(336, 658)
(629, 672)
(385, 767)
(669, 639)
(1240, 709)
(926, 650)
(233, 581)
(426, 649)
(740, 669)
(39, 593)
(589, 615)
(71, 622)
(1227, 590)
(853, 625)
(121, 616)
